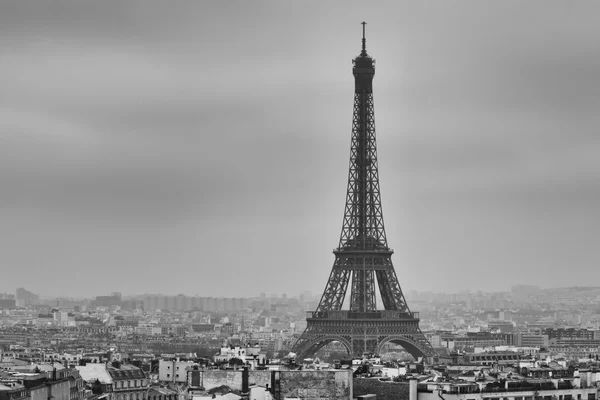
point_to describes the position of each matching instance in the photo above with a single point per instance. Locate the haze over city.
(203, 148)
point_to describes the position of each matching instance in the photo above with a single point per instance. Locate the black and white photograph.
(192, 198)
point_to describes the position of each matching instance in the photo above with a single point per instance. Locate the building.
(26, 298)
(39, 386)
(9, 304)
(501, 326)
(472, 340)
(120, 381)
(108, 301)
(251, 355)
(203, 328)
(129, 381)
(542, 389)
(572, 333)
(574, 352)
(265, 384)
(522, 339)
(173, 370)
(508, 358)
(13, 391)
(162, 393)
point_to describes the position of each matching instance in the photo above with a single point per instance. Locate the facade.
(161, 393)
(129, 382)
(8, 304)
(549, 389)
(253, 356)
(574, 352)
(573, 333)
(173, 370)
(77, 385)
(576, 342)
(64, 357)
(471, 341)
(264, 384)
(59, 389)
(14, 391)
(531, 340)
(120, 381)
(509, 357)
(26, 298)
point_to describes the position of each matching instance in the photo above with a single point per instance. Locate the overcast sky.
(202, 147)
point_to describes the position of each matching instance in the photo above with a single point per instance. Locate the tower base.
(363, 333)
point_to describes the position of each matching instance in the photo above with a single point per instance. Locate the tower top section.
(364, 40)
(364, 63)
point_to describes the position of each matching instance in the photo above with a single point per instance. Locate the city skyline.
(311, 296)
(204, 148)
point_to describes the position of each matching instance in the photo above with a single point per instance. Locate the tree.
(236, 361)
(97, 387)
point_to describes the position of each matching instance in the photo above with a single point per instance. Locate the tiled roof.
(163, 391)
(125, 371)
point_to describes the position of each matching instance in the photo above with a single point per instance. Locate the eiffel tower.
(363, 254)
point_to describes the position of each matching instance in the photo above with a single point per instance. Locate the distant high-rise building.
(229, 307)
(26, 298)
(9, 304)
(186, 303)
(180, 302)
(108, 301)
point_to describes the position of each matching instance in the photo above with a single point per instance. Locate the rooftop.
(91, 372)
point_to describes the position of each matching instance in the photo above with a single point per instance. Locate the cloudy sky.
(202, 147)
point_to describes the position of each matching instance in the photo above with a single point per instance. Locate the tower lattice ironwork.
(363, 258)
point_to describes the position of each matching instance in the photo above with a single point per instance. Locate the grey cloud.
(143, 134)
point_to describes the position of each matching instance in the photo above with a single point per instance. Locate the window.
(168, 375)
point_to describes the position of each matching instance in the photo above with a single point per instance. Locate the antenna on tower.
(364, 40)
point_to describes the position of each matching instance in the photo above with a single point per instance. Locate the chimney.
(412, 389)
(245, 383)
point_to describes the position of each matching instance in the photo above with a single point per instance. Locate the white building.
(249, 355)
(173, 370)
(549, 389)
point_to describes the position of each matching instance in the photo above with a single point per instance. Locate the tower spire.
(364, 39)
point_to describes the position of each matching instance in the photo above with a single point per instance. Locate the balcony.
(354, 315)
